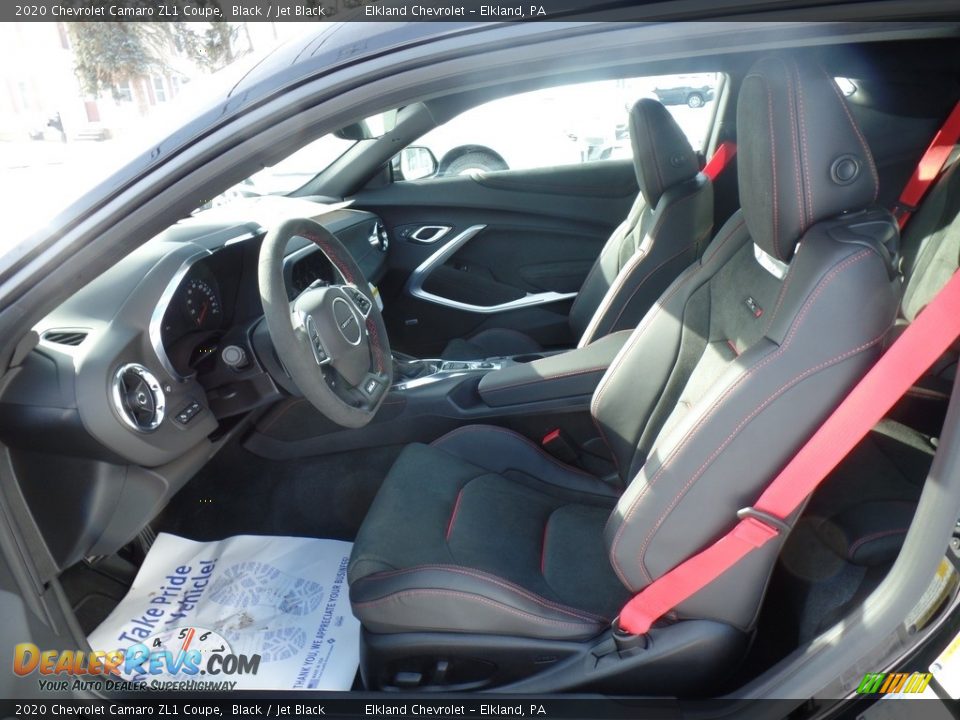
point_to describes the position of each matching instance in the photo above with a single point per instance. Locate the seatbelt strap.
(929, 167)
(924, 340)
(720, 159)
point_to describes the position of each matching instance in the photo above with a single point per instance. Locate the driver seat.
(485, 562)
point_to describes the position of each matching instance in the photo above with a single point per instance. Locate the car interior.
(524, 394)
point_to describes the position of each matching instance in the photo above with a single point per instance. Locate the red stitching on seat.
(453, 515)
(773, 166)
(805, 164)
(856, 129)
(493, 579)
(637, 260)
(637, 288)
(798, 162)
(476, 598)
(852, 550)
(743, 423)
(773, 162)
(647, 321)
(517, 436)
(824, 282)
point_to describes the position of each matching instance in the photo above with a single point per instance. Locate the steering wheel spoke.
(335, 327)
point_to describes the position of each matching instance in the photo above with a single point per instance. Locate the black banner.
(314, 705)
(390, 706)
(436, 10)
(300, 10)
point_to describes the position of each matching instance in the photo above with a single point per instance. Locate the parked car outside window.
(564, 125)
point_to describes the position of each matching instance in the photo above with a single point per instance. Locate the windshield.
(69, 119)
(288, 175)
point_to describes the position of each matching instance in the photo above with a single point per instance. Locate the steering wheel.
(331, 339)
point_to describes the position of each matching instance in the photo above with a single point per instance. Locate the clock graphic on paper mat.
(183, 649)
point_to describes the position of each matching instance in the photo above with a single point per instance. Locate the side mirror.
(415, 163)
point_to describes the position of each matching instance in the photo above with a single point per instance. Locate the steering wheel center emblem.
(346, 321)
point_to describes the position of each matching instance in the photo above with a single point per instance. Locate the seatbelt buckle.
(557, 444)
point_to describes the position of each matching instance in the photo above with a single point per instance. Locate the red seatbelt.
(721, 158)
(924, 340)
(929, 167)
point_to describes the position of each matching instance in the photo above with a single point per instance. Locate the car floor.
(815, 583)
(239, 493)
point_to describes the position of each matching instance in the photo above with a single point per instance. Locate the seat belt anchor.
(766, 518)
(626, 642)
(902, 210)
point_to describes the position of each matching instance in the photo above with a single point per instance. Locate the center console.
(430, 397)
(410, 372)
(508, 382)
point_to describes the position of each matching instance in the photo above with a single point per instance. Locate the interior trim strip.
(154, 329)
(418, 277)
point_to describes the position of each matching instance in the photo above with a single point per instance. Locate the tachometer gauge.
(202, 304)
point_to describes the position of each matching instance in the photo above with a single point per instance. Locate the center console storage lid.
(575, 373)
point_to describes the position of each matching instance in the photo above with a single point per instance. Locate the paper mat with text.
(282, 598)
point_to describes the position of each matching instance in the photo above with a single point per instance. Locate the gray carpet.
(241, 493)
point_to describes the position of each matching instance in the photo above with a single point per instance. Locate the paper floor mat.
(200, 614)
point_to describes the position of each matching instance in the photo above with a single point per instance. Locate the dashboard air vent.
(379, 237)
(65, 337)
(138, 398)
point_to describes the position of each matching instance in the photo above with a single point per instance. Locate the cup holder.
(529, 357)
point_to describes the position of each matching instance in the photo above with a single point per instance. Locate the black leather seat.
(667, 228)
(484, 559)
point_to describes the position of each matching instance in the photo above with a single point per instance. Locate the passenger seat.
(666, 230)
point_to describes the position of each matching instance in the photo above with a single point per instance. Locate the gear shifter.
(406, 368)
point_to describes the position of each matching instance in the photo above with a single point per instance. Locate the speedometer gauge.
(202, 304)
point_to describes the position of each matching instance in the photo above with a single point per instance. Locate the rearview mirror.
(415, 163)
(355, 131)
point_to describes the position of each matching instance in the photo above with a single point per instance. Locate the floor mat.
(240, 493)
(94, 590)
(278, 606)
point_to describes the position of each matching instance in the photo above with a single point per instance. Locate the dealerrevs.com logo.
(187, 658)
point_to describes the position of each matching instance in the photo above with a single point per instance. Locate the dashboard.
(139, 353)
(132, 382)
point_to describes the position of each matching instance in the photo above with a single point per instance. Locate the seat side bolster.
(679, 228)
(499, 451)
(463, 599)
(628, 392)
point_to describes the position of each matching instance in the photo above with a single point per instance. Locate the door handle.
(428, 234)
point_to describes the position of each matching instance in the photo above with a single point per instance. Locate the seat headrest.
(662, 155)
(802, 157)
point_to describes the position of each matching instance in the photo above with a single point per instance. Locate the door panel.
(505, 249)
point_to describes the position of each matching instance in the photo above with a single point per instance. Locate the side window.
(562, 125)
